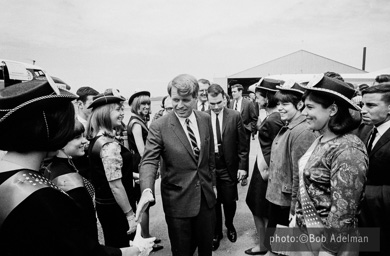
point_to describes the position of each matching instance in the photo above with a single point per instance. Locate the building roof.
(299, 62)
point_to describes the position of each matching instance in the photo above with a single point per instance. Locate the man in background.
(231, 154)
(202, 104)
(375, 209)
(85, 99)
(248, 115)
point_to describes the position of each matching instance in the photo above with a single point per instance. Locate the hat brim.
(137, 94)
(339, 95)
(104, 100)
(46, 102)
(267, 89)
(291, 90)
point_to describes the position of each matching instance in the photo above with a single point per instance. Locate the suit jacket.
(248, 114)
(183, 179)
(234, 146)
(379, 158)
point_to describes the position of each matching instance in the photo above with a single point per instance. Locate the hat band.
(51, 96)
(337, 94)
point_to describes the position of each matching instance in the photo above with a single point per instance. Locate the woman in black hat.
(110, 163)
(36, 217)
(269, 128)
(137, 132)
(332, 172)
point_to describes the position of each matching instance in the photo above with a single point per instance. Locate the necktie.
(235, 107)
(219, 136)
(202, 106)
(218, 128)
(371, 141)
(194, 144)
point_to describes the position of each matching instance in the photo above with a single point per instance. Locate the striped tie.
(194, 144)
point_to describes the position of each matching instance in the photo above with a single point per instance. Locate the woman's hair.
(38, 129)
(78, 129)
(342, 122)
(289, 97)
(100, 118)
(135, 105)
(270, 96)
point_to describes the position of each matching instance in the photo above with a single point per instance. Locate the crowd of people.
(321, 166)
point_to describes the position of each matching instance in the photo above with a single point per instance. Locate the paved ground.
(243, 222)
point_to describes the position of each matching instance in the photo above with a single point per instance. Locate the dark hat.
(291, 86)
(30, 94)
(137, 94)
(108, 97)
(334, 87)
(363, 87)
(268, 84)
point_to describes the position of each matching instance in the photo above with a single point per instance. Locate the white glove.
(145, 245)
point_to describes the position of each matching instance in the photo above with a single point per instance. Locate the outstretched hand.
(145, 245)
(146, 198)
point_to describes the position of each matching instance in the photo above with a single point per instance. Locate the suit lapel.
(203, 130)
(224, 120)
(385, 138)
(181, 135)
(242, 105)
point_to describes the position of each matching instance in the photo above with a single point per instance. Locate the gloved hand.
(145, 245)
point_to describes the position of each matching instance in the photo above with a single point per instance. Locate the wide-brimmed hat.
(108, 97)
(137, 94)
(334, 87)
(268, 84)
(31, 94)
(291, 86)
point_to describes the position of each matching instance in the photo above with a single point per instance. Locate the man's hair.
(215, 89)
(383, 89)
(238, 86)
(334, 75)
(185, 85)
(382, 78)
(84, 92)
(203, 81)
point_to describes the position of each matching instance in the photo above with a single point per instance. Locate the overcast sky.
(133, 45)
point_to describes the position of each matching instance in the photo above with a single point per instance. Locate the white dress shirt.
(238, 103)
(214, 123)
(381, 130)
(206, 105)
(193, 125)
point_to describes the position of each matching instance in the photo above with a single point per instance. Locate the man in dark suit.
(248, 114)
(376, 205)
(184, 140)
(231, 155)
(202, 104)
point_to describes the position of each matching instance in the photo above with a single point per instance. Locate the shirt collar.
(300, 119)
(220, 113)
(191, 117)
(383, 127)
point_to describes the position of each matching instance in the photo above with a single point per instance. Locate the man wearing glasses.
(202, 103)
